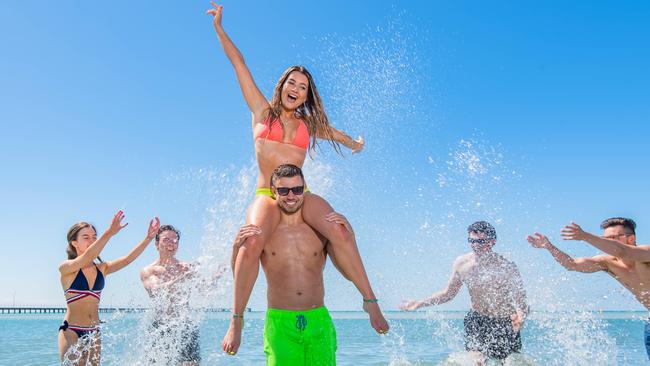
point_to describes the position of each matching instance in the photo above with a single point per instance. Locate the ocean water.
(434, 338)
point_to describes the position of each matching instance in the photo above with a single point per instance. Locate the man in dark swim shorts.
(498, 298)
(493, 337)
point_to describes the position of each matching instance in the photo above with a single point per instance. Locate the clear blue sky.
(527, 114)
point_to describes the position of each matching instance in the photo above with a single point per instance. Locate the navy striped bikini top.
(81, 289)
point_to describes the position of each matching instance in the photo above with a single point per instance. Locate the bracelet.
(240, 316)
(371, 301)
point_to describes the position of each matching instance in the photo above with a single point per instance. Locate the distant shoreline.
(56, 310)
(29, 310)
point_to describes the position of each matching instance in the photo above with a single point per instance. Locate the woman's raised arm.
(256, 101)
(87, 257)
(117, 264)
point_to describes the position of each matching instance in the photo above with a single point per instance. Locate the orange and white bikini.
(273, 131)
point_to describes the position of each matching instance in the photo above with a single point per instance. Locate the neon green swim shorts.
(299, 338)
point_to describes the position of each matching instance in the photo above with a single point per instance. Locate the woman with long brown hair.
(79, 336)
(284, 130)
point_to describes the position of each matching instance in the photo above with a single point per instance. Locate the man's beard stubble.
(288, 212)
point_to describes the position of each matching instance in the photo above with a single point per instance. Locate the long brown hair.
(73, 233)
(311, 111)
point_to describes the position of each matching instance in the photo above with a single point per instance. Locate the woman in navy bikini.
(81, 321)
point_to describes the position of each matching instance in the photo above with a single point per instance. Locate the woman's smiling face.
(294, 90)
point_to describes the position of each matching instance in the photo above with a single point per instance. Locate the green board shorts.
(293, 338)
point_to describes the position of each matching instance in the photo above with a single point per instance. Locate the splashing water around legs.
(86, 351)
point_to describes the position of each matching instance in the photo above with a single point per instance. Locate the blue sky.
(523, 113)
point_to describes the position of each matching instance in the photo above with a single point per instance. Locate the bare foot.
(232, 340)
(377, 320)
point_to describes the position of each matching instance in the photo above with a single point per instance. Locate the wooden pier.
(52, 310)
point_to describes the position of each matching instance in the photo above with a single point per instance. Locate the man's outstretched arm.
(612, 247)
(440, 297)
(584, 265)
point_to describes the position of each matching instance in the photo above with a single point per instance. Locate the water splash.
(574, 338)
(84, 352)
(372, 77)
(375, 85)
(473, 180)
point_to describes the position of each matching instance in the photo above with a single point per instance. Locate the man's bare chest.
(636, 277)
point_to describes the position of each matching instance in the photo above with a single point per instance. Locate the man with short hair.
(165, 282)
(498, 299)
(298, 329)
(626, 261)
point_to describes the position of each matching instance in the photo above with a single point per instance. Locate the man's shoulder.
(603, 258)
(149, 269)
(464, 258)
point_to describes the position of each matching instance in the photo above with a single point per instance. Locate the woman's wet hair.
(166, 228)
(73, 233)
(311, 111)
(628, 224)
(286, 171)
(483, 227)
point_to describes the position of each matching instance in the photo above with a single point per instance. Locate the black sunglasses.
(478, 241)
(283, 191)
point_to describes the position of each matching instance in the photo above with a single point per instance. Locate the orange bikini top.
(274, 132)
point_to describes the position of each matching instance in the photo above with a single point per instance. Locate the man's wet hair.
(483, 227)
(165, 228)
(629, 224)
(286, 171)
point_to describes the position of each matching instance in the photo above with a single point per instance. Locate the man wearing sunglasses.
(298, 329)
(498, 298)
(626, 261)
